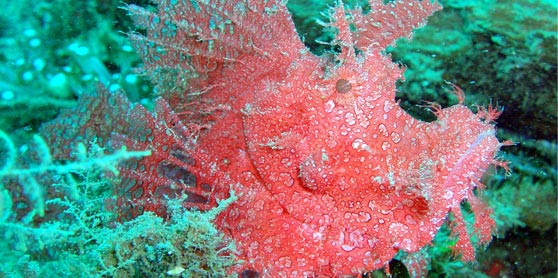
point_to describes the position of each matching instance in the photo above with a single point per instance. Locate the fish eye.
(343, 86)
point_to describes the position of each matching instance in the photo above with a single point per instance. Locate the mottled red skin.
(336, 184)
(332, 177)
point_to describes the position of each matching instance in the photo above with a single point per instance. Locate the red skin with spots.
(328, 183)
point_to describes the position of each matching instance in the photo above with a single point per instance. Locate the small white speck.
(35, 43)
(8, 95)
(395, 137)
(175, 271)
(114, 87)
(385, 145)
(448, 195)
(27, 76)
(39, 64)
(29, 32)
(127, 48)
(131, 78)
(329, 105)
(78, 49)
(350, 118)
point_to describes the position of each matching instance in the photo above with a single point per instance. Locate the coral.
(73, 234)
(185, 245)
(526, 199)
(507, 48)
(54, 51)
(23, 177)
(332, 176)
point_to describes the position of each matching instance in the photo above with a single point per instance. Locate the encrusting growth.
(332, 176)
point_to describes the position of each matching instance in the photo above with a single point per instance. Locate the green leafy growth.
(29, 177)
(69, 232)
(526, 199)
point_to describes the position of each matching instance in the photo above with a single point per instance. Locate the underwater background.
(53, 218)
